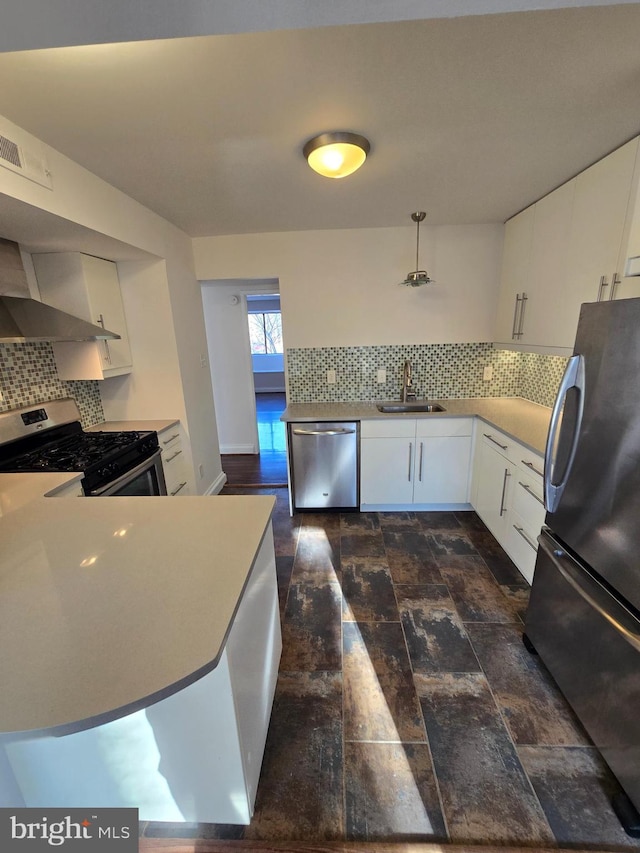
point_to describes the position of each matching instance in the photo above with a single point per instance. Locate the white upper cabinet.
(597, 226)
(566, 249)
(514, 280)
(89, 288)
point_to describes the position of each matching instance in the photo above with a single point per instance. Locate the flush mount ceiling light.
(336, 154)
(417, 277)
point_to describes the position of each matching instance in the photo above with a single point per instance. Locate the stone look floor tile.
(444, 543)
(409, 556)
(485, 793)
(391, 793)
(436, 638)
(300, 795)
(399, 521)
(575, 787)
(311, 628)
(317, 557)
(520, 682)
(440, 521)
(474, 590)
(367, 591)
(380, 702)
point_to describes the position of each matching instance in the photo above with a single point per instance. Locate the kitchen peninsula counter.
(521, 419)
(140, 645)
(108, 605)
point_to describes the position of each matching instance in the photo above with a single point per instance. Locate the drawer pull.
(171, 437)
(530, 491)
(491, 438)
(531, 544)
(171, 458)
(507, 474)
(181, 486)
(532, 467)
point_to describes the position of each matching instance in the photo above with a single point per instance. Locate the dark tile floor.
(407, 707)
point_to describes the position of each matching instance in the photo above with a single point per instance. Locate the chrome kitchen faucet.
(408, 392)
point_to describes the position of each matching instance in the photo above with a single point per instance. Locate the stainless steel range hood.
(23, 318)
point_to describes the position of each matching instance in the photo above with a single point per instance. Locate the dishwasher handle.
(341, 431)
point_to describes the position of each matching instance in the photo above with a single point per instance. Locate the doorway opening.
(244, 333)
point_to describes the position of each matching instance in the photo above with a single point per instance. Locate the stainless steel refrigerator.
(584, 610)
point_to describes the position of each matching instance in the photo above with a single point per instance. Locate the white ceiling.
(470, 118)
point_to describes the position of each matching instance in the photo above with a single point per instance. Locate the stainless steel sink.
(416, 406)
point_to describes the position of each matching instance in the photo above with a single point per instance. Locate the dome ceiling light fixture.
(417, 277)
(337, 153)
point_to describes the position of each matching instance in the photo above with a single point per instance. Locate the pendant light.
(417, 277)
(336, 154)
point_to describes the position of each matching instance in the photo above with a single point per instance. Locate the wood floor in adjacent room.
(269, 467)
(407, 709)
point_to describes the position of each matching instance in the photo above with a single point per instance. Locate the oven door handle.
(114, 485)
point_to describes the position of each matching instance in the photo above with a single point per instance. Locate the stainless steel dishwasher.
(325, 465)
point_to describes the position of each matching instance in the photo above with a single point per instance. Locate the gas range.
(49, 437)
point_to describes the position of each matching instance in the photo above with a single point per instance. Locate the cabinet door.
(105, 302)
(549, 318)
(514, 279)
(494, 475)
(600, 209)
(386, 470)
(442, 469)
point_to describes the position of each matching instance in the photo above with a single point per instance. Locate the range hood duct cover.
(23, 319)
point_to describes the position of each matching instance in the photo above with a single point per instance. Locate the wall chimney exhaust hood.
(25, 319)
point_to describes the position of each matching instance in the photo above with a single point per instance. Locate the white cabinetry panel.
(89, 288)
(417, 463)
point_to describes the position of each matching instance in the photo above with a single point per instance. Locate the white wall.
(340, 288)
(231, 368)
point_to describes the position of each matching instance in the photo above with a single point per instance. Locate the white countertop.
(521, 419)
(110, 604)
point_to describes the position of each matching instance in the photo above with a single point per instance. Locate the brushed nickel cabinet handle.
(603, 283)
(530, 491)
(410, 457)
(615, 281)
(532, 467)
(170, 439)
(531, 544)
(180, 487)
(171, 458)
(507, 474)
(523, 305)
(491, 438)
(420, 466)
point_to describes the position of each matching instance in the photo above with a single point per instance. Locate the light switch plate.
(381, 376)
(487, 373)
(331, 377)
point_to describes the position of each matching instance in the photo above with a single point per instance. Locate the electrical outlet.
(203, 360)
(201, 471)
(487, 373)
(381, 376)
(331, 377)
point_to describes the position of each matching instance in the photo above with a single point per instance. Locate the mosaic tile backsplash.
(439, 371)
(28, 375)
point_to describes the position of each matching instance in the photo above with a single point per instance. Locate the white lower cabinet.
(418, 463)
(507, 494)
(174, 464)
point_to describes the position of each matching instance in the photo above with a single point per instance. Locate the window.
(265, 332)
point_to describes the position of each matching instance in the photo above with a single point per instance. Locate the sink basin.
(416, 406)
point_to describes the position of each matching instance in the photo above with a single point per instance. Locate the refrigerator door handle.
(573, 378)
(595, 595)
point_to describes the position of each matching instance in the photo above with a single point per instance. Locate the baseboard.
(217, 485)
(238, 448)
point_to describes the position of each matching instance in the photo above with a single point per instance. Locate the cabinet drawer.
(532, 462)
(439, 426)
(528, 499)
(392, 428)
(521, 543)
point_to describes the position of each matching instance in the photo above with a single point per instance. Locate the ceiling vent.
(24, 161)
